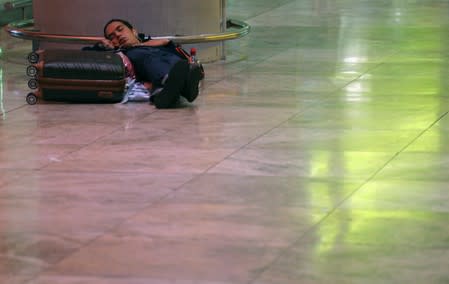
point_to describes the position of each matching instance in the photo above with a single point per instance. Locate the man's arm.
(107, 44)
(155, 42)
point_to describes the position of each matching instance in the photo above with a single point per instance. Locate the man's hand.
(107, 44)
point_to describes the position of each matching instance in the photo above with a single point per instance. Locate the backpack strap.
(184, 54)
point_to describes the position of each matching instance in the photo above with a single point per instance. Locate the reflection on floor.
(318, 152)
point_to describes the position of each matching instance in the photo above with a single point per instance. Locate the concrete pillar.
(154, 17)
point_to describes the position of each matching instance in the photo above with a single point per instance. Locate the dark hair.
(126, 23)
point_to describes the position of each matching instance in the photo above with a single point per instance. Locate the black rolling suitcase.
(77, 76)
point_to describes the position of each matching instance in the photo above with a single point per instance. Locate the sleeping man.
(156, 64)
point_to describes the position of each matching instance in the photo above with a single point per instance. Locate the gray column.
(154, 17)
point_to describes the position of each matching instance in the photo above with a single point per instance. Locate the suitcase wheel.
(33, 57)
(32, 71)
(31, 99)
(32, 84)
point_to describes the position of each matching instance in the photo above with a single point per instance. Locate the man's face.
(120, 35)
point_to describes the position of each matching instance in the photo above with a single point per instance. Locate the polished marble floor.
(318, 152)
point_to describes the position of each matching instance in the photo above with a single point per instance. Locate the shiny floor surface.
(318, 152)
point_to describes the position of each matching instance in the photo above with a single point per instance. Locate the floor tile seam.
(3, 114)
(424, 131)
(111, 277)
(342, 87)
(270, 10)
(258, 62)
(251, 140)
(7, 61)
(105, 172)
(372, 67)
(104, 233)
(81, 147)
(246, 68)
(292, 116)
(265, 59)
(277, 126)
(312, 105)
(302, 236)
(339, 204)
(118, 224)
(403, 149)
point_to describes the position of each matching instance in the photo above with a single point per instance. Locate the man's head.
(121, 33)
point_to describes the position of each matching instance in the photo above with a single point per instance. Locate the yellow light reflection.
(367, 224)
(321, 166)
